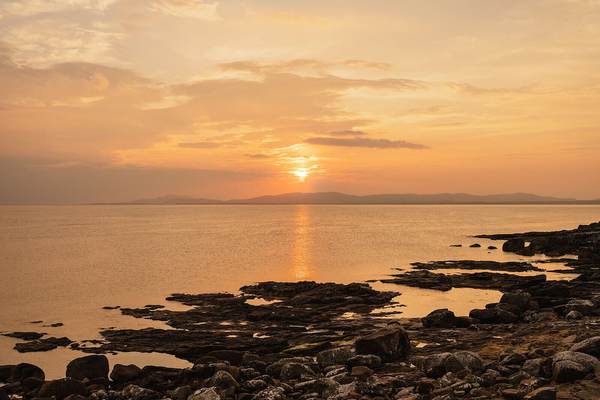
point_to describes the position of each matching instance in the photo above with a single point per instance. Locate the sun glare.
(301, 173)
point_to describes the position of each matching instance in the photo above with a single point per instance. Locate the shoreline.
(411, 358)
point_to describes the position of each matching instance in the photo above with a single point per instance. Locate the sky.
(116, 100)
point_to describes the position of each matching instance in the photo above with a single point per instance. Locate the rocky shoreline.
(309, 340)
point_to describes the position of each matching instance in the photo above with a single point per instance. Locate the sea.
(63, 264)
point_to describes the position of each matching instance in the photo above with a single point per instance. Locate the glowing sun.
(301, 173)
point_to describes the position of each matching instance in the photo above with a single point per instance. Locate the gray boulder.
(337, 356)
(390, 343)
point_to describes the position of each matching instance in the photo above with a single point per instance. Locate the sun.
(301, 173)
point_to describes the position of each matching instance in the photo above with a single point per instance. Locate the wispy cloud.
(364, 142)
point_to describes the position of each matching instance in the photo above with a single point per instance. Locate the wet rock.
(91, 367)
(182, 392)
(46, 344)
(512, 394)
(270, 393)
(513, 358)
(494, 315)
(520, 300)
(337, 356)
(390, 343)
(3, 395)
(125, 373)
(367, 360)
(543, 393)
(25, 335)
(323, 387)
(589, 346)
(513, 245)
(97, 395)
(475, 245)
(274, 369)
(293, 371)
(588, 361)
(20, 372)
(425, 386)
(205, 394)
(492, 248)
(444, 318)
(61, 388)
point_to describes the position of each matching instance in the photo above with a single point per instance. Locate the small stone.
(337, 356)
(291, 371)
(270, 393)
(512, 394)
(475, 245)
(574, 315)
(361, 372)
(589, 346)
(425, 386)
(205, 394)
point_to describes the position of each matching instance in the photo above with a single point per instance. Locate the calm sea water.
(64, 263)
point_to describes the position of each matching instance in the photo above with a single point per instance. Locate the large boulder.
(20, 372)
(125, 373)
(444, 318)
(589, 346)
(568, 366)
(494, 315)
(337, 356)
(520, 300)
(91, 367)
(390, 343)
(61, 388)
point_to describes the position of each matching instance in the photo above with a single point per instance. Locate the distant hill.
(343, 198)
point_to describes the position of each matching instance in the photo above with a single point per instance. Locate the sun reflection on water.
(302, 245)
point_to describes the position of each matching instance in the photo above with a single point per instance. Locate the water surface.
(64, 263)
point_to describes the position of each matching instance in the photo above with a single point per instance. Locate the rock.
(588, 361)
(585, 307)
(224, 381)
(20, 372)
(368, 360)
(337, 356)
(442, 318)
(91, 367)
(25, 335)
(494, 315)
(463, 360)
(324, 387)
(589, 346)
(234, 357)
(512, 394)
(475, 245)
(390, 343)
(425, 386)
(125, 373)
(568, 371)
(543, 393)
(433, 366)
(270, 393)
(291, 371)
(274, 369)
(492, 248)
(3, 394)
(135, 392)
(513, 245)
(46, 344)
(538, 367)
(513, 359)
(254, 385)
(361, 372)
(520, 300)
(573, 315)
(80, 397)
(205, 394)
(61, 388)
(182, 392)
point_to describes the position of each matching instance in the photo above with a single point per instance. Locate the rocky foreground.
(310, 340)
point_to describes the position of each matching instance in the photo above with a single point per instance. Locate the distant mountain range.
(343, 198)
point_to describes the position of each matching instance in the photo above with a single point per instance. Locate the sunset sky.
(114, 100)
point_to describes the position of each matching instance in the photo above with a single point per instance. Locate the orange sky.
(113, 100)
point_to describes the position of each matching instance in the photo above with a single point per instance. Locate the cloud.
(349, 132)
(364, 142)
(258, 156)
(26, 8)
(187, 8)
